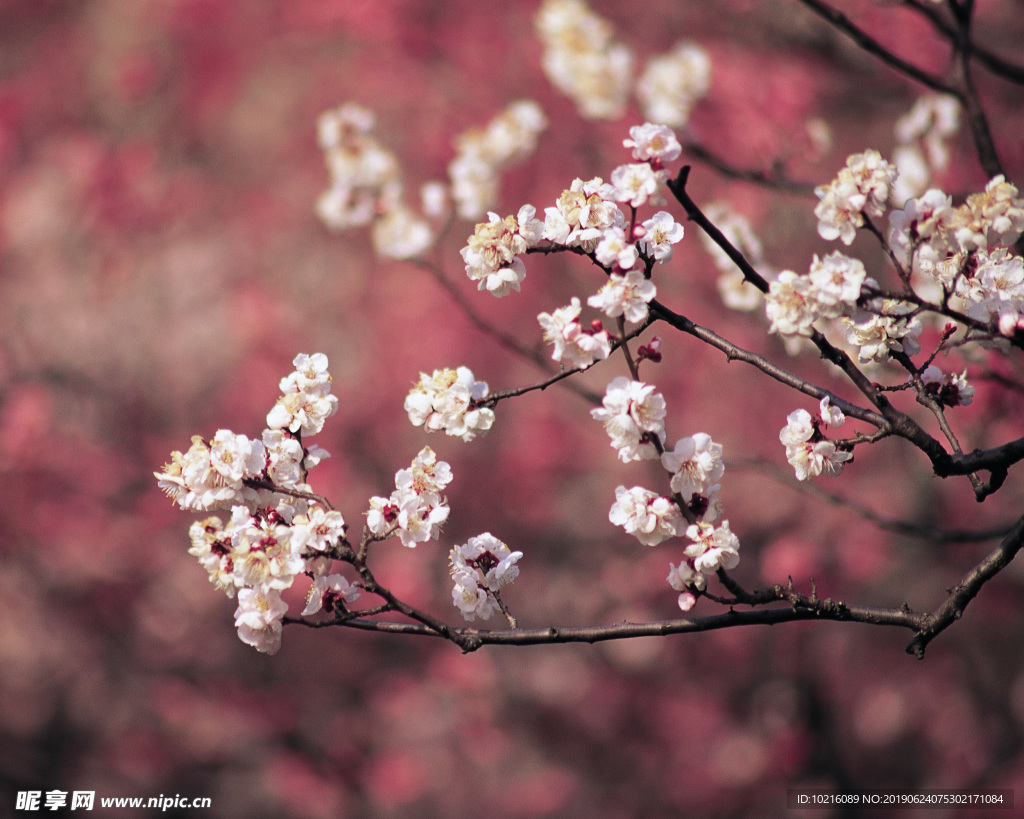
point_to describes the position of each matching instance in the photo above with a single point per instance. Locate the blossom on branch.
(492, 253)
(331, 593)
(573, 345)
(649, 517)
(861, 188)
(306, 400)
(258, 619)
(416, 509)
(480, 568)
(448, 400)
(661, 232)
(713, 547)
(625, 294)
(633, 415)
(656, 144)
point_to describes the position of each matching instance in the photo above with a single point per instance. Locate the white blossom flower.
(201, 480)
(284, 458)
(306, 401)
(317, 529)
(331, 593)
(816, 458)
(837, 280)
(492, 561)
(427, 477)
(879, 335)
(650, 518)
(695, 464)
(263, 554)
(661, 232)
(635, 184)
(471, 598)
(625, 294)
(861, 188)
(790, 305)
(573, 346)
(799, 428)
(830, 416)
(492, 253)
(633, 414)
(258, 619)
(211, 546)
(686, 580)
(614, 250)
(582, 213)
(448, 400)
(713, 547)
(653, 143)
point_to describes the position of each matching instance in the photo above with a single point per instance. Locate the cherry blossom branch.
(997, 65)
(507, 341)
(901, 527)
(733, 352)
(257, 483)
(822, 609)
(493, 398)
(899, 422)
(843, 23)
(776, 179)
(963, 50)
(967, 589)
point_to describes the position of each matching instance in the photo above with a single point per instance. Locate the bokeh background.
(161, 266)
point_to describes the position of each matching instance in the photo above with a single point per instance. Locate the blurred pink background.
(161, 266)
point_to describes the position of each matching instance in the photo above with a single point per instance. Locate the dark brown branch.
(736, 353)
(474, 638)
(843, 23)
(900, 527)
(507, 341)
(776, 179)
(994, 63)
(967, 589)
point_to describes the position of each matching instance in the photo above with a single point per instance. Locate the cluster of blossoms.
(573, 344)
(861, 189)
(493, 251)
(807, 449)
(366, 185)
(671, 84)
(416, 509)
(633, 414)
(830, 289)
(448, 400)
(587, 216)
(479, 569)
(582, 60)
(963, 254)
(921, 150)
(481, 155)
(271, 537)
